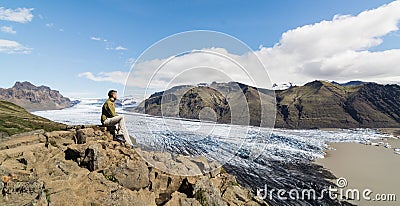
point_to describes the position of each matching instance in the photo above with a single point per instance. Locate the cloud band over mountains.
(341, 49)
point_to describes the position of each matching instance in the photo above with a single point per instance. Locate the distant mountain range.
(351, 83)
(317, 104)
(34, 98)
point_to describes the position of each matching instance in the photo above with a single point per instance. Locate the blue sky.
(62, 39)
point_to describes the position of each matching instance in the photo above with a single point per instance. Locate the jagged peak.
(25, 84)
(30, 86)
(316, 83)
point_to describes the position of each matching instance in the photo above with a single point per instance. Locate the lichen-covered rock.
(207, 193)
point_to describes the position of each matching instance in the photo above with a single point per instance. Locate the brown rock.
(182, 200)
(206, 193)
(234, 195)
(83, 134)
(133, 175)
(60, 138)
(164, 185)
(5, 179)
(14, 176)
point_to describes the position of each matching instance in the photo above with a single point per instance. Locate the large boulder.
(131, 174)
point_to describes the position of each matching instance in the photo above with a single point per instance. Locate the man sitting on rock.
(110, 118)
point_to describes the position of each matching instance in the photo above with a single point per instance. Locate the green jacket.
(108, 110)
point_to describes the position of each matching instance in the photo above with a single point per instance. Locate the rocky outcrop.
(34, 98)
(83, 166)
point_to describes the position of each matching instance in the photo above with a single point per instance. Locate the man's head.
(112, 94)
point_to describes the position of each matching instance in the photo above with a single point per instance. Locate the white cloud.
(21, 15)
(8, 29)
(13, 47)
(206, 65)
(108, 45)
(117, 48)
(120, 48)
(115, 76)
(95, 38)
(50, 25)
(338, 49)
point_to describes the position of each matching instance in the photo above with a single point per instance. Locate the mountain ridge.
(317, 104)
(34, 98)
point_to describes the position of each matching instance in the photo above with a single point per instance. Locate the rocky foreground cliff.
(33, 98)
(84, 166)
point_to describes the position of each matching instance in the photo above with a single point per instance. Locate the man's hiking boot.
(119, 138)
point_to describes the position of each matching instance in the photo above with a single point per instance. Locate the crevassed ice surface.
(215, 141)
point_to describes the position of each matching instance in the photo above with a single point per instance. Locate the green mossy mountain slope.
(15, 119)
(317, 104)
